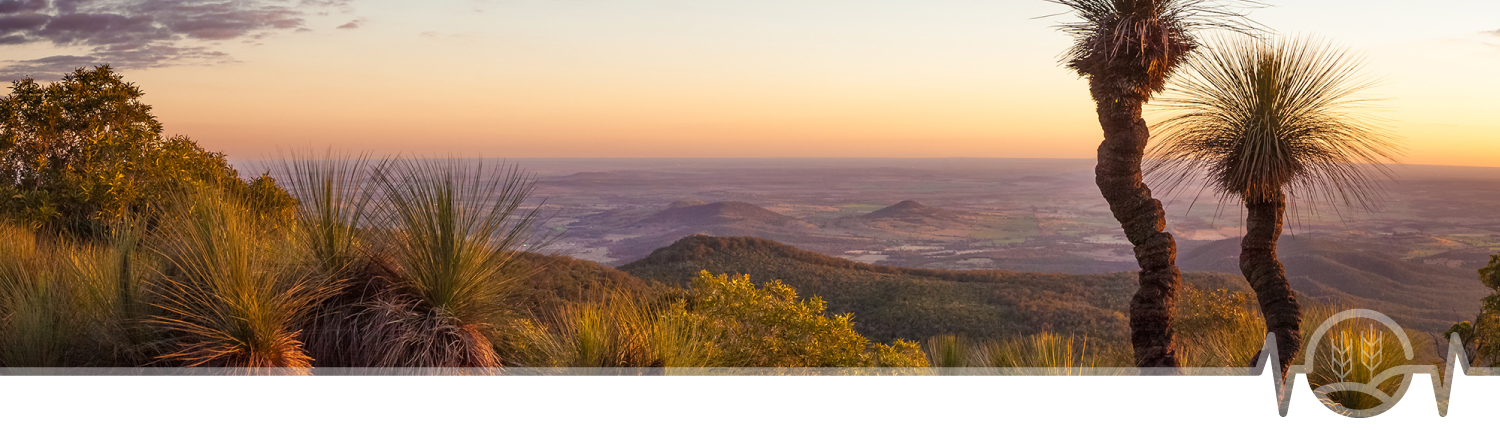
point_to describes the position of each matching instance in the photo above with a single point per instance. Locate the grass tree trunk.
(1118, 176)
(1266, 276)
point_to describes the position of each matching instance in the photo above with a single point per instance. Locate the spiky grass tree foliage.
(1127, 49)
(335, 193)
(456, 228)
(230, 295)
(1265, 121)
(948, 350)
(337, 198)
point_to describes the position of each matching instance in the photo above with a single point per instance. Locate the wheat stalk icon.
(1343, 360)
(1370, 349)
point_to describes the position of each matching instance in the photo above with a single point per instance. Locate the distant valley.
(1415, 255)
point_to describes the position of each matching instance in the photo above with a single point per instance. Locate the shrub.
(81, 154)
(1218, 328)
(769, 327)
(901, 353)
(1481, 337)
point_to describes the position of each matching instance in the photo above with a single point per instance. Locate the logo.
(1359, 363)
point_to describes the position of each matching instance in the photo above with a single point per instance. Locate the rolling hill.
(911, 211)
(686, 218)
(1425, 297)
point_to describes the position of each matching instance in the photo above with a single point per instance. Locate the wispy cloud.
(121, 57)
(142, 33)
(352, 24)
(1495, 33)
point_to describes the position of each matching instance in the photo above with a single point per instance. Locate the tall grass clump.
(66, 304)
(111, 288)
(338, 199)
(335, 201)
(229, 294)
(620, 331)
(455, 229)
(1063, 355)
(1224, 329)
(36, 326)
(948, 351)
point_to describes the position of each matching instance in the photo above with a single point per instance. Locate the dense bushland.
(84, 154)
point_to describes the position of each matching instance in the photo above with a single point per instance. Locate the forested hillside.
(891, 302)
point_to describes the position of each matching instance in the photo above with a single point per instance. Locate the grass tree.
(229, 294)
(456, 230)
(1127, 49)
(337, 201)
(1267, 122)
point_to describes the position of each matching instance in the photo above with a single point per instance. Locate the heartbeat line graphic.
(1367, 348)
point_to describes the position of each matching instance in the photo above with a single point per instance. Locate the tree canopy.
(84, 152)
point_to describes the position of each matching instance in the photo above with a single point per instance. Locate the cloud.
(1492, 33)
(352, 24)
(14, 26)
(120, 57)
(17, 6)
(144, 33)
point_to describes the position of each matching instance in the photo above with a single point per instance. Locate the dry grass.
(38, 324)
(1060, 354)
(229, 295)
(64, 304)
(619, 331)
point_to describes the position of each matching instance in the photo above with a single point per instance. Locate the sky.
(694, 78)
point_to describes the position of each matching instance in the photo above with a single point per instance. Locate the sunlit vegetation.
(149, 251)
(124, 247)
(1481, 337)
(890, 303)
(84, 153)
(723, 322)
(1057, 353)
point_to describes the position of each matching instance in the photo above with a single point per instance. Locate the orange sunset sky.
(694, 78)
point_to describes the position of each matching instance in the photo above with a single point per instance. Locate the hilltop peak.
(908, 205)
(686, 203)
(907, 209)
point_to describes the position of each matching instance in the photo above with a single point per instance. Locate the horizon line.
(234, 160)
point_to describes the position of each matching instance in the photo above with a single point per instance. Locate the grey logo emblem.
(1351, 358)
